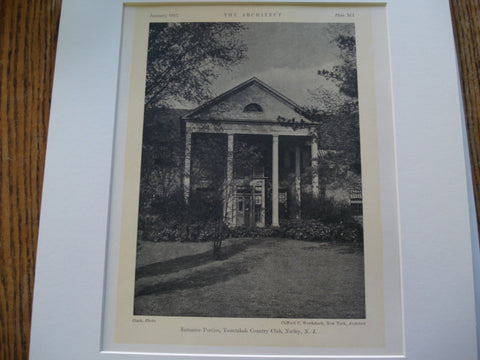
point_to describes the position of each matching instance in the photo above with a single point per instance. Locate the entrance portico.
(252, 108)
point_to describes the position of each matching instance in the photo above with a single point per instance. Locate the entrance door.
(250, 205)
(248, 211)
(244, 210)
(240, 211)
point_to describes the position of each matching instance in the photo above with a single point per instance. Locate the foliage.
(305, 230)
(340, 135)
(181, 232)
(324, 220)
(344, 101)
(315, 230)
(162, 156)
(207, 165)
(170, 219)
(339, 138)
(183, 58)
(336, 121)
(344, 74)
(336, 125)
(326, 210)
(249, 153)
(333, 102)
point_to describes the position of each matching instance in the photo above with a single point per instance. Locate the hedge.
(307, 230)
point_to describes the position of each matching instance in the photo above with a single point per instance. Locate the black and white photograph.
(250, 199)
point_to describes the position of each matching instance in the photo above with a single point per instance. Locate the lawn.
(260, 277)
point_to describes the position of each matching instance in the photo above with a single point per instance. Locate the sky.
(285, 56)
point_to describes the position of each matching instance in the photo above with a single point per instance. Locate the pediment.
(251, 101)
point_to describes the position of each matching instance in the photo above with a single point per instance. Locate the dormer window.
(253, 107)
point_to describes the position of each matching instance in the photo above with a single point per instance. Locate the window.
(258, 171)
(240, 204)
(253, 107)
(357, 208)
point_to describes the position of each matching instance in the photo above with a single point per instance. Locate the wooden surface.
(466, 26)
(27, 53)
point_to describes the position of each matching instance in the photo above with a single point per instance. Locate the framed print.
(270, 179)
(226, 247)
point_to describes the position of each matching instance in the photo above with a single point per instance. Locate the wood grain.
(466, 25)
(27, 53)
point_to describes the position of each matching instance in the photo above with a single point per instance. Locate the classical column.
(298, 185)
(315, 167)
(275, 181)
(187, 169)
(230, 196)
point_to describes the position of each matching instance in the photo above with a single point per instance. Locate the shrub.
(201, 220)
(307, 230)
(325, 209)
(315, 230)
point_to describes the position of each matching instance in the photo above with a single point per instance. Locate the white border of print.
(381, 332)
(437, 221)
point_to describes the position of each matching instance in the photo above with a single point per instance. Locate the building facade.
(255, 110)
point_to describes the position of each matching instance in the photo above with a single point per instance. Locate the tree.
(344, 99)
(338, 123)
(344, 75)
(162, 152)
(183, 59)
(336, 117)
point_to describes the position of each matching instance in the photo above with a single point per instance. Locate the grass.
(269, 278)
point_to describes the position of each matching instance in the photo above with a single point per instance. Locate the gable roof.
(252, 81)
